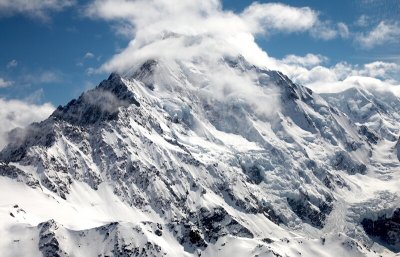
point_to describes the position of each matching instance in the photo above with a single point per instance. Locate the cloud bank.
(381, 76)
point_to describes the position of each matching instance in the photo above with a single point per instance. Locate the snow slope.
(170, 159)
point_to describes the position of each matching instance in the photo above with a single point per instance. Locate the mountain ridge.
(208, 164)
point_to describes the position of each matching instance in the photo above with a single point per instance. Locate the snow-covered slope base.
(160, 162)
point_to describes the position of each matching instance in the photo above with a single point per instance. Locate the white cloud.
(34, 8)
(327, 30)
(384, 32)
(377, 75)
(5, 83)
(12, 64)
(16, 113)
(172, 29)
(382, 70)
(309, 60)
(88, 55)
(359, 82)
(324, 31)
(316, 75)
(281, 17)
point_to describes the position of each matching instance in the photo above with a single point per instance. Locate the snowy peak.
(98, 104)
(376, 110)
(145, 73)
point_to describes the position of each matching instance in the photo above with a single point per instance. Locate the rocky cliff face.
(156, 162)
(398, 149)
(385, 229)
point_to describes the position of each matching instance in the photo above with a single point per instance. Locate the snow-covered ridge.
(170, 159)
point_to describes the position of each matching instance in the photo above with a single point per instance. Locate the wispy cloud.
(42, 77)
(12, 64)
(324, 30)
(385, 32)
(88, 55)
(363, 21)
(343, 29)
(40, 9)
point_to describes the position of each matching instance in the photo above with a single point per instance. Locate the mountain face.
(157, 162)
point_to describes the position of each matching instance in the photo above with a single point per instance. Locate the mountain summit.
(190, 158)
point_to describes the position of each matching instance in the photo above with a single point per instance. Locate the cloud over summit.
(186, 30)
(200, 25)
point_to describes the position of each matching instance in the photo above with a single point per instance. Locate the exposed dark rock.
(188, 235)
(371, 136)
(13, 172)
(218, 222)
(386, 230)
(36, 134)
(270, 214)
(312, 214)
(48, 242)
(333, 180)
(343, 161)
(267, 240)
(195, 237)
(254, 174)
(206, 227)
(99, 104)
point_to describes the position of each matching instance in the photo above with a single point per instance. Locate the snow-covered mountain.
(158, 161)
